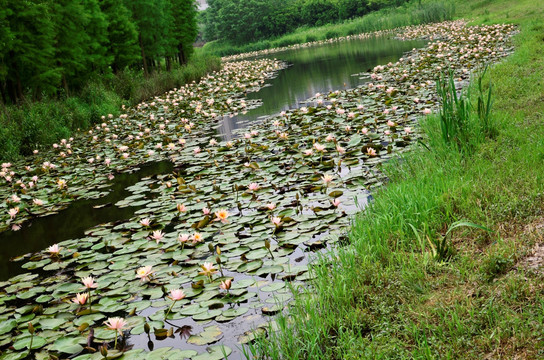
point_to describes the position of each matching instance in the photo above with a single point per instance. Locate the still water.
(318, 69)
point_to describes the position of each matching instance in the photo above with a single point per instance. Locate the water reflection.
(72, 222)
(318, 69)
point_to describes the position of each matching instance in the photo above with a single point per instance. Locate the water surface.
(318, 69)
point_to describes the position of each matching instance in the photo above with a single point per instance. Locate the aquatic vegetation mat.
(216, 245)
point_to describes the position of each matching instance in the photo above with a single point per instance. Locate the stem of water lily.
(169, 309)
(90, 302)
(270, 251)
(31, 340)
(115, 346)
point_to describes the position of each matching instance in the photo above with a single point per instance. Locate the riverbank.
(35, 125)
(414, 13)
(384, 296)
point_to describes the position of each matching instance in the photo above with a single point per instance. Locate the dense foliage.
(240, 21)
(52, 48)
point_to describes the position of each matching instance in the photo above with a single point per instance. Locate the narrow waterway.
(318, 69)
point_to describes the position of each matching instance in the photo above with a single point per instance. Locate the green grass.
(384, 296)
(410, 14)
(33, 125)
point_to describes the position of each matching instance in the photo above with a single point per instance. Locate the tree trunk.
(168, 63)
(65, 85)
(146, 70)
(181, 55)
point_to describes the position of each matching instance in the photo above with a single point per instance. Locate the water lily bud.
(147, 328)
(210, 247)
(104, 350)
(218, 260)
(31, 328)
(267, 244)
(218, 250)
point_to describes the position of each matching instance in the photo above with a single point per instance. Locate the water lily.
(371, 152)
(61, 183)
(37, 202)
(225, 285)
(81, 299)
(144, 273)
(197, 237)
(181, 208)
(54, 249)
(175, 296)
(276, 220)
(327, 179)
(116, 324)
(206, 211)
(157, 235)
(254, 187)
(222, 215)
(145, 222)
(319, 147)
(208, 269)
(183, 238)
(13, 212)
(89, 282)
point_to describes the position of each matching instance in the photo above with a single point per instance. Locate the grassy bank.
(385, 296)
(33, 125)
(412, 13)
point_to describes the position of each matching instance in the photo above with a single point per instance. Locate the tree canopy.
(242, 21)
(50, 48)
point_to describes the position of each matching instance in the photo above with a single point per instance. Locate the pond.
(187, 210)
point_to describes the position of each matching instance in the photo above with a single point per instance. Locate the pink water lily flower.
(13, 212)
(327, 179)
(81, 299)
(157, 235)
(89, 282)
(254, 187)
(225, 285)
(206, 211)
(319, 147)
(53, 249)
(276, 220)
(181, 207)
(145, 222)
(183, 238)
(116, 323)
(270, 206)
(176, 294)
